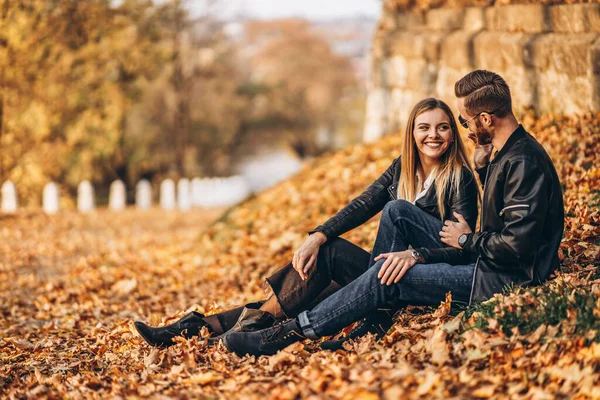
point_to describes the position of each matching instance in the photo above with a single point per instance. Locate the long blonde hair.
(448, 174)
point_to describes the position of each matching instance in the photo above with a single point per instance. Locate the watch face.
(462, 239)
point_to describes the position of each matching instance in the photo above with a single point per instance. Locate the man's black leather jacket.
(522, 218)
(384, 189)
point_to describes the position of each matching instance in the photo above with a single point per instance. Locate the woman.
(432, 178)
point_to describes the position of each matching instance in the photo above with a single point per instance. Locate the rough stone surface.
(568, 54)
(574, 18)
(548, 54)
(445, 19)
(528, 18)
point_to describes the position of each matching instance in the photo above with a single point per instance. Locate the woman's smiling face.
(433, 134)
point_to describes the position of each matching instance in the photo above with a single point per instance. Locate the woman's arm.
(361, 208)
(463, 202)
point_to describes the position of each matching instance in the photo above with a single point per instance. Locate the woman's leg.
(423, 284)
(338, 263)
(403, 224)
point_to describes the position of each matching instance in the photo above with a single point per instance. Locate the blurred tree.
(100, 90)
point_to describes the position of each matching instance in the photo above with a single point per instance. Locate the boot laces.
(277, 329)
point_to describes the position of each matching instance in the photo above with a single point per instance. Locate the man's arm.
(525, 208)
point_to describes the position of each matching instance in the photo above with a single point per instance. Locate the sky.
(310, 9)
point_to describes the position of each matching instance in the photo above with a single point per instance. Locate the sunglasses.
(465, 122)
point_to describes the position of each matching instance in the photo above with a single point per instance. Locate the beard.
(484, 136)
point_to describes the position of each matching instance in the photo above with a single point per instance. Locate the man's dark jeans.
(402, 224)
(341, 263)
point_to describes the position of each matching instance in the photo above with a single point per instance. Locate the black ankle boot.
(378, 324)
(188, 326)
(251, 319)
(265, 342)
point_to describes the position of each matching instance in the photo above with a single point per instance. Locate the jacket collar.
(512, 139)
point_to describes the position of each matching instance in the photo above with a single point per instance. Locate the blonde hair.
(448, 174)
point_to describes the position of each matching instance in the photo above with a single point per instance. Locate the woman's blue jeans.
(402, 224)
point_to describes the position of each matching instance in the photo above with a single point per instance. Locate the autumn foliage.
(71, 285)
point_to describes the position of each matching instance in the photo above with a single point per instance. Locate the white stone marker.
(167, 194)
(143, 195)
(184, 194)
(85, 197)
(117, 196)
(196, 192)
(9, 197)
(50, 198)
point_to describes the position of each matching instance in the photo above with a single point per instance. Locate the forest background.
(101, 90)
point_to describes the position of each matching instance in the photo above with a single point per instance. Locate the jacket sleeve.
(463, 202)
(525, 206)
(361, 208)
(482, 172)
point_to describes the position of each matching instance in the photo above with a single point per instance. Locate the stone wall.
(549, 55)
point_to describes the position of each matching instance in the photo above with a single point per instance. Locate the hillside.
(68, 333)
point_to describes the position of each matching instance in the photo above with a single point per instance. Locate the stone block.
(497, 51)
(432, 45)
(10, 202)
(445, 19)
(143, 195)
(489, 14)
(595, 75)
(401, 104)
(560, 92)
(568, 54)
(475, 18)
(456, 50)
(410, 44)
(446, 78)
(375, 118)
(574, 18)
(410, 20)
(528, 18)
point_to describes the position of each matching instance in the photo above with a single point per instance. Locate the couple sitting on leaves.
(429, 200)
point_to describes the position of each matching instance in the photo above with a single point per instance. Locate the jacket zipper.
(511, 207)
(487, 172)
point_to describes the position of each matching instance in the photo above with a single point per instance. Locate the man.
(522, 222)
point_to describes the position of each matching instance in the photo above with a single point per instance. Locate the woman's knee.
(397, 208)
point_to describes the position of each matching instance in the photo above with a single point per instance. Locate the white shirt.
(426, 186)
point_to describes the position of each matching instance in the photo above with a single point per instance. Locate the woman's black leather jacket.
(384, 189)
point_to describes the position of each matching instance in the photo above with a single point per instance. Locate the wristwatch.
(462, 239)
(416, 255)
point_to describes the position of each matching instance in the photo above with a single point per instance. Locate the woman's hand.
(395, 266)
(306, 255)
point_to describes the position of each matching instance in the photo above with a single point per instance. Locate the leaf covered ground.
(71, 285)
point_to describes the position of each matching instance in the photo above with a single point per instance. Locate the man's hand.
(483, 151)
(451, 230)
(395, 266)
(306, 255)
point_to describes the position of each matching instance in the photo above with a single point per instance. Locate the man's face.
(484, 135)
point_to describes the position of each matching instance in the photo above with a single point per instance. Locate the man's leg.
(403, 224)
(423, 284)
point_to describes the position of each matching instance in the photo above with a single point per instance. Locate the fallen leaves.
(72, 285)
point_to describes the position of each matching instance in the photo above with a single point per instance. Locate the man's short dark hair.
(484, 91)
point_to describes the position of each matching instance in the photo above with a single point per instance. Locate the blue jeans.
(402, 224)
